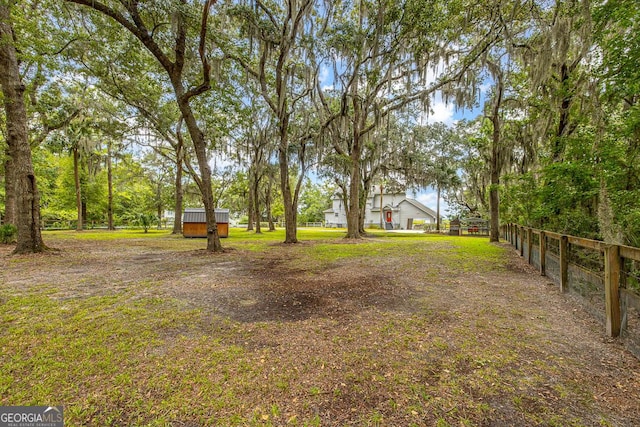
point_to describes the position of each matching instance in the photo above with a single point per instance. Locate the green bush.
(146, 220)
(8, 233)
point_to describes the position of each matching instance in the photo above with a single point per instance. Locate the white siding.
(407, 211)
(338, 218)
(401, 210)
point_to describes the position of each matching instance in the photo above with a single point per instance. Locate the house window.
(336, 214)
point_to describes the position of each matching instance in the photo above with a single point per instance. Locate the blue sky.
(448, 114)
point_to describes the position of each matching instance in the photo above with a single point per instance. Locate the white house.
(398, 211)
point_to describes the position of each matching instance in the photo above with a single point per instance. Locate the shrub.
(8, 233)
(145, 220)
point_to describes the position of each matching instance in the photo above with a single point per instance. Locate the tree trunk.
(256, 203)
(362, 210)
(250, 212)
(200, 146)
(438, 208)
(27, 199)
(267, 205)
(254, 199)
(160, 206)
(563, 120)
(76, 178)
(177, 221)
(381, 201)
(494, 205)
(353, 213)
(290, 213)
(290, 209)
(10, 190)
(110, 189)
(494, 198)
(496, 161)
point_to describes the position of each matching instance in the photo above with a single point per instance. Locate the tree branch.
(137, 28)
(50, 128)
(186, 161)
(206, 67)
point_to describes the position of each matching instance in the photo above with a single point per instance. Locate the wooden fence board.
(586, 243)
(564, 263)
(529, 244)
(630, 252)
(611, 283)
(543, 253)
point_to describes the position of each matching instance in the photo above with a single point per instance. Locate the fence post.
(543, 253)
(564, 263)
(529, 244)
(611, 286)
(522, 233)
(624, 273)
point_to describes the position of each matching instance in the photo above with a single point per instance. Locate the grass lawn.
(129, 328)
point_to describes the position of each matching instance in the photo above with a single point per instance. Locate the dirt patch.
(294, 297)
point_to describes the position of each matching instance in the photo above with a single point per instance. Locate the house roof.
(420, 206)
(328, 211)
(198, 215)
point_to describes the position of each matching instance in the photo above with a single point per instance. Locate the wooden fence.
(611, 274)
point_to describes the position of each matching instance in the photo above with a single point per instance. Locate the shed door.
(388, 213)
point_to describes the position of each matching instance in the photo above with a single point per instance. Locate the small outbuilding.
(194, 222)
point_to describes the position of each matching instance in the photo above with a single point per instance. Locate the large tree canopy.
(237, 101)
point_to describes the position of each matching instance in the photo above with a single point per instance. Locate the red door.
(388, 216)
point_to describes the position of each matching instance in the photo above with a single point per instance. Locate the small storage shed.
(194, 222)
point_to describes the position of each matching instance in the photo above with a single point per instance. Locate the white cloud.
(220, 161)
(326, 78)
(485, 87)
(440, 112)
(429, 198)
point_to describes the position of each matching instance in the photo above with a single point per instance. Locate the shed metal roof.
(198, 215)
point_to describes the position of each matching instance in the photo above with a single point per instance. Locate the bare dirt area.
(407, 337)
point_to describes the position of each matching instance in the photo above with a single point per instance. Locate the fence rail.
(606, 275)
